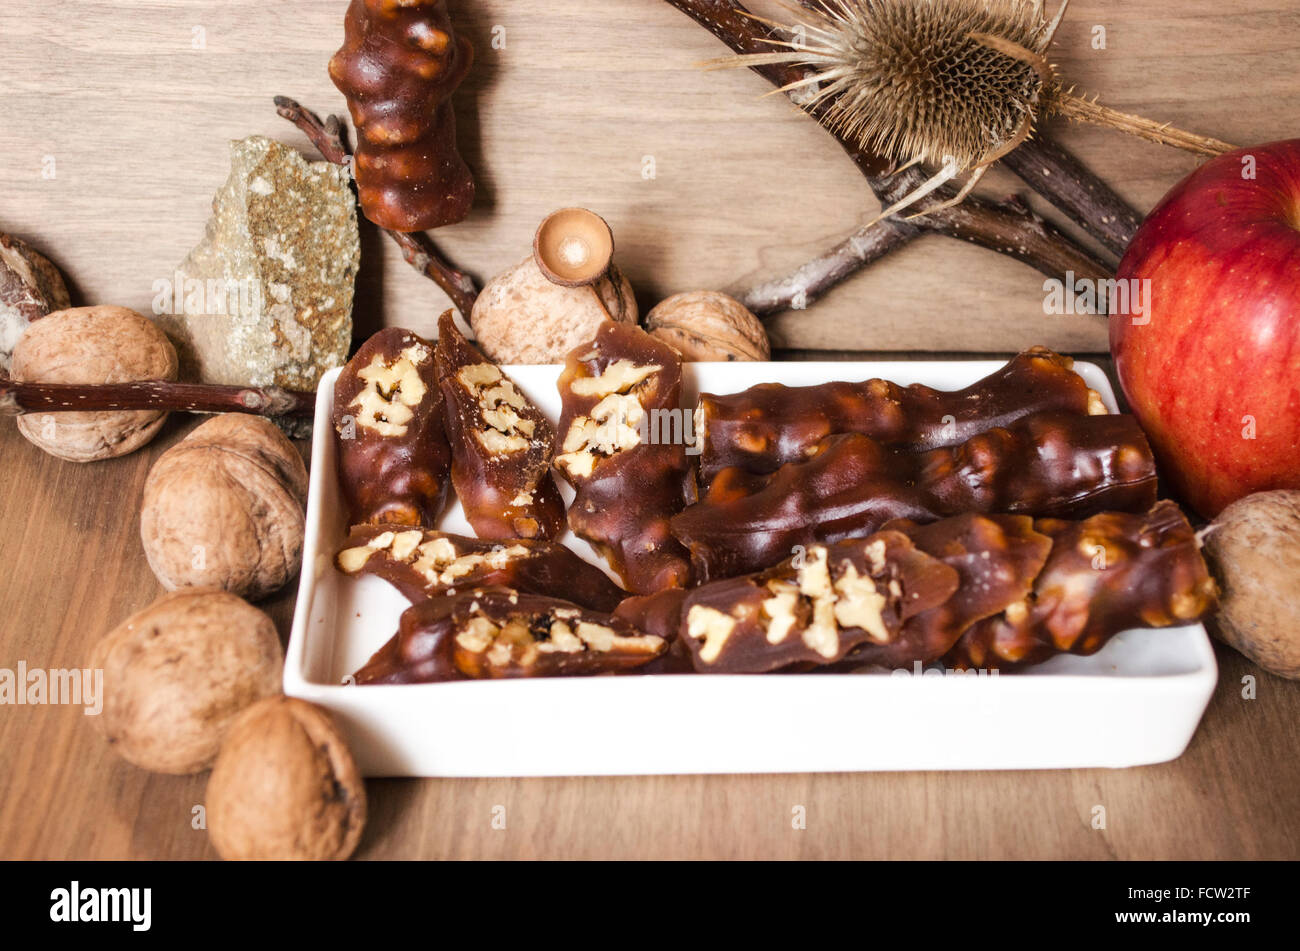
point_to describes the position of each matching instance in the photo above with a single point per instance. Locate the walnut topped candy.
(623, 446)
(501, 445)
(393, 457)
(494, 633)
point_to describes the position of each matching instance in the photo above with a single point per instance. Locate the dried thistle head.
(928, 80)
(953, 84)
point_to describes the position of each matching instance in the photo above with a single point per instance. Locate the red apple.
(1211, 362)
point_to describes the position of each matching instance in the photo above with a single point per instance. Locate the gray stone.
(266, 297)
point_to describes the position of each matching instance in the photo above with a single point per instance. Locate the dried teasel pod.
(951, 84)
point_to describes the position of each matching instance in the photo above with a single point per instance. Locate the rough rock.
(266, 297)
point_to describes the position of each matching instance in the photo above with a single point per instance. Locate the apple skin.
(1222, 252)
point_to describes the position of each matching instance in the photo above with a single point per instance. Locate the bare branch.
(17, 399)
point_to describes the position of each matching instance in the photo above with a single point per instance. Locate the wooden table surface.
(116, 119)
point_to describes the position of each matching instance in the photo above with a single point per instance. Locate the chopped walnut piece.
(619, 377)
(499, 404)
(392, 391)
(613, 427)
(499, 632)
(710, 626)
(611, 391)
(860, 604)
(815, 608)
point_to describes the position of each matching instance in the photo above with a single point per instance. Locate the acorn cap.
(574, 247)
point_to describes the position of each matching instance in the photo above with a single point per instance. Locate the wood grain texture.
(73, 569)
(136, 121)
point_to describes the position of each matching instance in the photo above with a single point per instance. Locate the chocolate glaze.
(1049, 464)
(766, 426)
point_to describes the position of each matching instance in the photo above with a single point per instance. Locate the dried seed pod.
(30, 288)
(501, 445)
(955, 84)
(393, 456)
(93, 345)
(399, 65)
(521, 317)
(707, 325)
(225, 507)
(178, 673)
(285, 787)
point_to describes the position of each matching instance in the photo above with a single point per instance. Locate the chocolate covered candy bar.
(425, 564)
(766, 426)
(1049, 464)
(1106, 574)
(625, 459)
(501, 445)
(393, 457)
(996, 559)
(494, 633)
(814, 608)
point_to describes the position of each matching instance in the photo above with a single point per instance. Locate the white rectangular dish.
(1138, 701)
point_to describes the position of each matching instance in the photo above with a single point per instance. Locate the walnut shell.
(30, 288)
(93, 345)
(285, 787)
(178, 673)
(224, 507)
(521, 317)
(708, 325)
(1254, 552)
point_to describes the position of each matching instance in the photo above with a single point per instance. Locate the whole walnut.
(285, 787)
(93, 345)
(224, 507)
(30, 288)
(1253, 549)
(708, 325)
(521, 317)
(178, 673)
